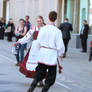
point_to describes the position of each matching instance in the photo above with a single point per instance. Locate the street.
(76, 76)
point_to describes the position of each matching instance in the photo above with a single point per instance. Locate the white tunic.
(32, 59)
(51, 37)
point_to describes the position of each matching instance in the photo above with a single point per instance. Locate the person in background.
(10, 29)
(90, 55)
(66, 28)
(84, 36)
(4, 23)
(28, 25)
(2, 28)
(20, 32)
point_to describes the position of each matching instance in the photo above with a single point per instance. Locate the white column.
(35, 10)
(7, 11)
(63, 9)
(28, 6)
(1, 8)
(55, 2)
(17, 10)
(41, 7)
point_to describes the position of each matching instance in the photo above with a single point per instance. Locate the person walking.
(2, 28)
(51, 46)
(20, 32)
(27, 23)
(10, 29)
(66, 28)
(84, 36)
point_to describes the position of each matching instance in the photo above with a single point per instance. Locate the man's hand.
(15, 44)
(61, 58)
(60, 69)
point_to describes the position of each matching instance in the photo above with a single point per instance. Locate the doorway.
(6, 10)
(59, 12)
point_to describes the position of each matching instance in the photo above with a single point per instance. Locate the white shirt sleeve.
(26, 38)
(60, 44)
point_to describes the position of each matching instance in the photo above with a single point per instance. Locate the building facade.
(75, 10)
(17, 9)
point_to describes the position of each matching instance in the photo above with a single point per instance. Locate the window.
(90, 15)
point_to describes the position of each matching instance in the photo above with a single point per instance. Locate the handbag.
(8, 30)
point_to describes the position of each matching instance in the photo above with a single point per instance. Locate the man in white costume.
(51, 47)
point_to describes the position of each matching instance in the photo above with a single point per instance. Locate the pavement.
(76, 75)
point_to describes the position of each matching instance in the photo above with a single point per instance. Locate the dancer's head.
(39, 20)
(52, 16)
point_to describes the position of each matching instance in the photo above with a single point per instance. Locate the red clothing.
(23, 69)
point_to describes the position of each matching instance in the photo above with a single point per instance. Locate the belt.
(47, 48)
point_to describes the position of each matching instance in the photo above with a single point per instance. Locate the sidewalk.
(76, 76)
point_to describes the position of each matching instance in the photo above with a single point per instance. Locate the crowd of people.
(49, 46)
(6, 29)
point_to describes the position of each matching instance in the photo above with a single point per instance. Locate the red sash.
(35, 34)
(91, 44)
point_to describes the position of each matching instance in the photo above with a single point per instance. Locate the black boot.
(64, 55)
(45, 88)
(90, 56)
(33, 85)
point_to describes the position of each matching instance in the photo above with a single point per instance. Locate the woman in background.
(20, 32)
(10, 29)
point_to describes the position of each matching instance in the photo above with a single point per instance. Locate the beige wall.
(21, 8)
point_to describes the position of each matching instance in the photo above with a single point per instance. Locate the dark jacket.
(28, 25)
(66, 28)
(2, 28)
(85, 32)
(12, 27)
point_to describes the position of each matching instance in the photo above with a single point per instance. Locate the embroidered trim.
(29, 32)
(47, 64)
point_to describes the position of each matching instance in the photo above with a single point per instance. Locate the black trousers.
(90, 56)
(41, 74)
(84, 44)
(1, 36)
(2, 33)
(66, 41)
(10, 36)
